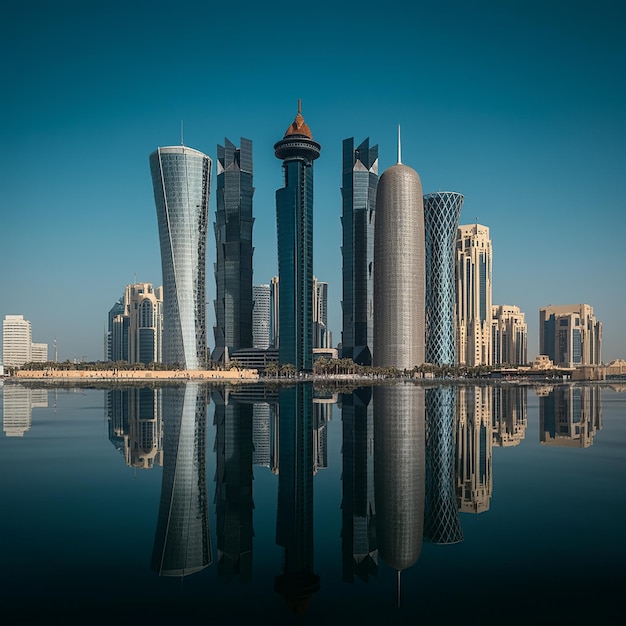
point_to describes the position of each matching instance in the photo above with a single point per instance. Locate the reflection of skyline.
(233, 485)
(17, 408)
(294, 522)
(182, 543)
(473, 445)
(135, 425)
(399, 466)
(441, 520)
(570, 416)
(358, 507)
(510, 415)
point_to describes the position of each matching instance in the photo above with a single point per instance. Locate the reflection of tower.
(181, 179)
(233, 247)
(473, 449)
(17, 408)
(570, 416)
(358, 192)
(321, 417)
(294, 525)
(509, 415)
(233, 485)
(441, 523)
(294, 215)
(441, 219)
(182, 543)
(358, 508)
(399, 464)
(399, 269)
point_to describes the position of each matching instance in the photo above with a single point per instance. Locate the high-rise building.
(181, 178)
(17, 344)
(358, 191)
(261, 316)
(473, 295)
(322, 337)
(570, 335)
(274, 313)
(399, 269)
(509, 335)
(442, 211)
(144, 307)
(233, 246)
(294, 219)
(116, 340)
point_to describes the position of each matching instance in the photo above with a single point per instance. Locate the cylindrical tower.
(399, 269)
(181, 178)
(442, 211)
(294, 221)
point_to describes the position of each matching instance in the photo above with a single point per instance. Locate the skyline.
(517, 106)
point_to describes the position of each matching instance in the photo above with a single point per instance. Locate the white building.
(261, 316)
(17, 342)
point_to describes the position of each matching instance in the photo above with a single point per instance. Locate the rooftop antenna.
(399, 147)
(182, 133)
(300, 106)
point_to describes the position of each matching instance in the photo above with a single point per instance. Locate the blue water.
(81, 529)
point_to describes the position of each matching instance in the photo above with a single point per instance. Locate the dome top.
(299, 126)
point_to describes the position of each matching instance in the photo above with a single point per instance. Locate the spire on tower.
(399, 146)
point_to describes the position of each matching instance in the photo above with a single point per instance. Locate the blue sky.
(519, 105)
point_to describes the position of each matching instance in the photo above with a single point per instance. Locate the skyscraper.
(399, 268)
(181, 178)
(233, 246)
(441, 218)
(294, 220)
(17, 343)
(358, 192)
(143, 305)
(261, 316)
(473, 294)
(570, 334)
(322, 337)
(508, 335)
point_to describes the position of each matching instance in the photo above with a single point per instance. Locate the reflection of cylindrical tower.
(399, 473)
(294, 221)
(182, 543)
(399, 269)
(181, 178)
(441, 220)
(441, 522)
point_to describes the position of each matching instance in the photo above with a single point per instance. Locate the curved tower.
(294, 221)
(399, 269)
(181, 178)
(442, 211)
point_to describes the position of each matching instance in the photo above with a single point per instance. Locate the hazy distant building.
(294, 217)
(233, 246)
(116, 339)
(473, 295)
(442, 211)
(570, 335)
(358, 191)
(399, 269)
(274, 312)
(509, 335)
(322, 337)
(181, 178)
(261, 316)
(17, 345)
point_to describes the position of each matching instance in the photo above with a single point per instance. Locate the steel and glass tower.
(399, 268)
(294, 220)
(442, 211)
(233, 246)
(358, 191)
(181, 178)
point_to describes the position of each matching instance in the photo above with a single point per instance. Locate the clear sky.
(518, 104)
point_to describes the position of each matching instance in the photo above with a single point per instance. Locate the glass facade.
(358, 191)
(442, 211)
(233, 245)
(294, 221)
(181, 178)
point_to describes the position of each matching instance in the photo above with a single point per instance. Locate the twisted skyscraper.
(181, 178)
(399, 268)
